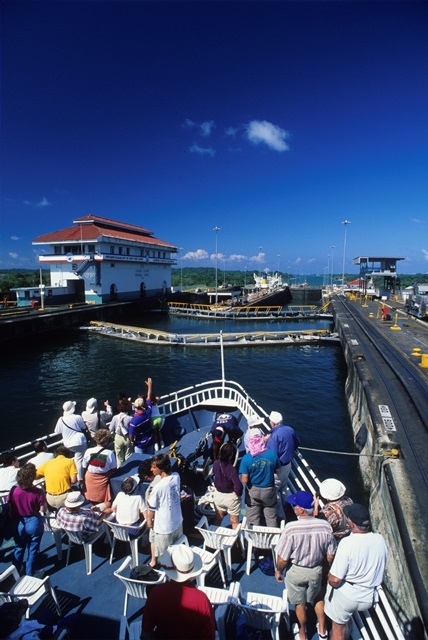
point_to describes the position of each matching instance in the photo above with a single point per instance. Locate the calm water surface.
(305, 383)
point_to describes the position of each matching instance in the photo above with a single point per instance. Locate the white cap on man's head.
(275, 417)
(68, 407)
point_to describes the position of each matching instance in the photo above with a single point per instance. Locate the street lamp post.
(181, 269)
(216, 229)
(332, 253)
(345, 223)
(260, 269)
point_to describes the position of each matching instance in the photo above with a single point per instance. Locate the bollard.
(395, 326)
(416, 352)
(424, 361)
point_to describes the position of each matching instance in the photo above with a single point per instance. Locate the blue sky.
(275, 121)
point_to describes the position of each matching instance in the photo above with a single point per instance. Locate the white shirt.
(128, 508)
(165, 501)
(8, 477)
(41, 458)
(71, 428)
(106, 457)
(360, 559)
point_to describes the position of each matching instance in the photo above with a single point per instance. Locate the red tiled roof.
(95, 227)
(111, 223)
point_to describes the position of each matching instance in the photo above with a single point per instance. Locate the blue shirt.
(284, 441)
(260, 469)
(140, 427)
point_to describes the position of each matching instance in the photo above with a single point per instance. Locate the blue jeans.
(147, 449)
(28, 536)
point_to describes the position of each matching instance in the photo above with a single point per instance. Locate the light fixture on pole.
(260, 264)
(216, 229)
(181, 269)
(332, 253)
(345, 223)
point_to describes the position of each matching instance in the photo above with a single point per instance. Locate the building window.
(57, 250)
(26, 295)
(112, 265)
(91, 248)
(111, 249)
(120, 251)
(127, 251)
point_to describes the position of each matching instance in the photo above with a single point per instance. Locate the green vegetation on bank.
(204, 277)
(15, 278)
(192, 278)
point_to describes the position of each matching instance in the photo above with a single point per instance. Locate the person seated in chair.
(189, 612)
(76, 518)
(128, 507)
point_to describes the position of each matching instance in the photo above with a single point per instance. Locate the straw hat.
(185, 564)
(332, 489)
(74, 499)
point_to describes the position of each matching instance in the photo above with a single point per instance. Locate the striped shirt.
(306, 542)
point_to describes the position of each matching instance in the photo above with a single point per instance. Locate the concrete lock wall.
(384, 479)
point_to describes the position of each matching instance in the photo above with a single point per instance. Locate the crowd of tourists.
(327, 555)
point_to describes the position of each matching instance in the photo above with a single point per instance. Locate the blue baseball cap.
(301, 499)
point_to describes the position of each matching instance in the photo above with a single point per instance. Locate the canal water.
(305, 383)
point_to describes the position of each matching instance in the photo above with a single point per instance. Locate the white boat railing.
(213, 392)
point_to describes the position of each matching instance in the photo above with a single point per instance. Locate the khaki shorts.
(341, 603)
(303, 584)
(163, 540)
(228, 502)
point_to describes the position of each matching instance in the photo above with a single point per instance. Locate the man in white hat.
(73, 516)
(72, 427)
(357, 570)
(95, 419)
(177, 610)
(333, 492)
(284, 441)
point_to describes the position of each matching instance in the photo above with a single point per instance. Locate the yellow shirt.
(57, 474)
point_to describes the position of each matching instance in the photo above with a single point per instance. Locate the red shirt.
(179, 611)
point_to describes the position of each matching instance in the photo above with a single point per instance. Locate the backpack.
(8, 521)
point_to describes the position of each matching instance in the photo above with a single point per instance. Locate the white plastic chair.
(260, 538)
(209, 560)
(51, 526)
(219, 538)
(121, 532)
(79, 538)
(28, 587)
(134, 588)
(220, 600)
(264, 611)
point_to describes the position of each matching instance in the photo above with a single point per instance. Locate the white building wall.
(127, 277)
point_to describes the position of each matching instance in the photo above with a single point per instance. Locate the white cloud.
(202, 151)
(44, 202)
(231, 131)
(237, 257)
(425, 252)
(417, 221)
(260, 258)
(298, 261)
(311, 260)
(199, 254)
(188, 124)
(220, 256)
(205, 128)
(13, 255)
(263, 132)
(14, 238)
